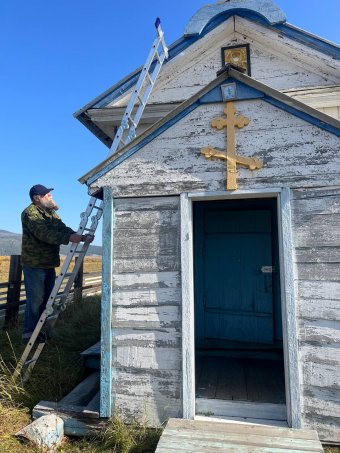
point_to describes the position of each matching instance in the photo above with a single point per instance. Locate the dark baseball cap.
(39, 189)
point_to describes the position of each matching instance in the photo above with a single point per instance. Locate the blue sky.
(56, 56)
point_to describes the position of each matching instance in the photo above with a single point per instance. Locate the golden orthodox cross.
(230, 122)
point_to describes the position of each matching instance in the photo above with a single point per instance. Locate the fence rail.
(13, 295)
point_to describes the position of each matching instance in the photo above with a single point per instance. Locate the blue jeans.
(38, 285)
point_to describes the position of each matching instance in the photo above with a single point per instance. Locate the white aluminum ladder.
(125, 133)
(140, 95)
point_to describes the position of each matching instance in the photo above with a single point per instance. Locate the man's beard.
(49, 204)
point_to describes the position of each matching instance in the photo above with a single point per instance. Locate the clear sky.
(56, 56)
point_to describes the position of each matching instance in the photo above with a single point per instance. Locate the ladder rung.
(30, 361)
(50, 318)
(157, 55)
(152, 82)
(140, 99)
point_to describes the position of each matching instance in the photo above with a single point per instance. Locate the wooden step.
(79, 409)
(83, 392)
(92, 409)
(91, 357)
(208, 437)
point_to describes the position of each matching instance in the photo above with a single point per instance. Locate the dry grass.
(56, 373)
(4, 268)
(91, 264)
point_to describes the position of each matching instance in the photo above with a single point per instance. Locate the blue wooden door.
(233, 279)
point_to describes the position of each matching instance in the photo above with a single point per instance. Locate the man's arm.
(54, 233)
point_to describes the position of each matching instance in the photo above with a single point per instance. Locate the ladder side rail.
(85, 215)
(143, 74)
(95, 219)
(33, 361)
(145, 98)
(30, 344)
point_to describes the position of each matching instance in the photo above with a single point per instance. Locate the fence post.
(13, 291)
(78, 282)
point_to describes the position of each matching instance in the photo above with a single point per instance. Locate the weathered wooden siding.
(146, 308)
(280, 65)
(316, 226)
(294, 152)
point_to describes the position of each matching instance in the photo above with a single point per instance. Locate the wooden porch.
(209, 437)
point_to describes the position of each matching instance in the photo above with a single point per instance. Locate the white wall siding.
(294, 152)
(316, 219)
(146, 309)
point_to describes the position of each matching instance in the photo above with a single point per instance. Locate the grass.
(57, 371)
(91, 264)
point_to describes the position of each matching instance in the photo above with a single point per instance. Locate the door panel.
(237, 300)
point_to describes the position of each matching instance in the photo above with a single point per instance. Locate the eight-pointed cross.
(230, 122)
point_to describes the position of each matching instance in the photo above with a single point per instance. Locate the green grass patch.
(58, 370)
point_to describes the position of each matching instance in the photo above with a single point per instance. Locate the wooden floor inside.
(193, 436)
(240, 379)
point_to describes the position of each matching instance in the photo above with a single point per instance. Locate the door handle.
(267, 269)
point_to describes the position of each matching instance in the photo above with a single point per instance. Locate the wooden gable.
(294, 152)
(285, 61)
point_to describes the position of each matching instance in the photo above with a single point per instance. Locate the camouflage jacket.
(42, 234)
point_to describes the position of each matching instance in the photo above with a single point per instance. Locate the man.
(42, 234)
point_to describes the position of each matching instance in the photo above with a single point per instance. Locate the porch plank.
(207, 437)
(232, 383)
(207, 385)
(242, 409)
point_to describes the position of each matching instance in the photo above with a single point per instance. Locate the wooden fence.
(13, 296)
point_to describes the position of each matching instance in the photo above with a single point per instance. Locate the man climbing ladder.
(42, 234)
(125, 133)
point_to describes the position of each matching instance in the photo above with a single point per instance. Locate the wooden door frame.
(289, 314)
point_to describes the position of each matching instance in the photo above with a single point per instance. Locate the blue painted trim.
(242, 92)
(308, 39)
(106, 371)
(183, 43)
(303, 115)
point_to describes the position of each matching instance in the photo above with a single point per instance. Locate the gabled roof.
(264, 12)
(246, 88)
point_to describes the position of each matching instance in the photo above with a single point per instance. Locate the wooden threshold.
(242, 409)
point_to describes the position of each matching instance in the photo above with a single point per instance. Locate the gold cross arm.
(252, 163)
(233, 159)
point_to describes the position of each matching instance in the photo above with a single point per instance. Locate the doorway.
(239, 360)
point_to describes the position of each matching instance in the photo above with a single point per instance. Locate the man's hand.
(76, 238)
